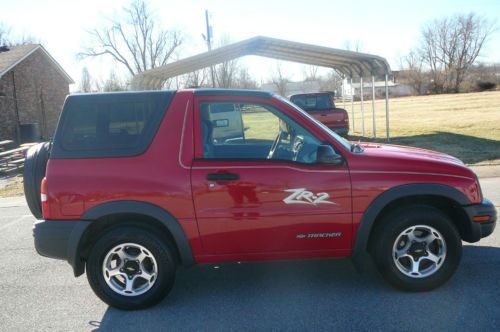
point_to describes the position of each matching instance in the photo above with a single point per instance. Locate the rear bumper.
(60, 239)
(481, 229)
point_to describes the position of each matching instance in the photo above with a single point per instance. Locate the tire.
(113, 290)
(416, 262)
(35, 165)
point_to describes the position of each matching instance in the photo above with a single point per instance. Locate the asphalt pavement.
(38, 293)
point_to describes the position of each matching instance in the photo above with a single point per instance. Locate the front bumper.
(484, 228)
(60, 239)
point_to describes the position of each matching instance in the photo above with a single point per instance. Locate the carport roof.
(349, 63)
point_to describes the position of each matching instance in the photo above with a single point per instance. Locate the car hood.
(409, 153)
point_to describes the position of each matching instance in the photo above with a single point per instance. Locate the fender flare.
(377, 205)
(136, 207)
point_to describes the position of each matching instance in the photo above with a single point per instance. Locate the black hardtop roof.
(196, 92)
(232, 92)
(121, 94)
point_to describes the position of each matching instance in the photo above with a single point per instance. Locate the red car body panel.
(247, 219)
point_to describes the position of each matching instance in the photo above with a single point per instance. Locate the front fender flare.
(377, 205)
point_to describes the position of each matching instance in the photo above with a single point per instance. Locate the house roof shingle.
(16, 54)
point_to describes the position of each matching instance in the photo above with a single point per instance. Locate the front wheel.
(417, 248)
(131, 268)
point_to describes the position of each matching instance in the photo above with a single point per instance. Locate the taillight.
(43, 198)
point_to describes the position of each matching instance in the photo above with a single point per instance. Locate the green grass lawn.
(466, 126)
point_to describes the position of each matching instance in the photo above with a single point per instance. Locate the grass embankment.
(466, 125)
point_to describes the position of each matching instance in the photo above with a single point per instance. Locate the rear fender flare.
(134, 207)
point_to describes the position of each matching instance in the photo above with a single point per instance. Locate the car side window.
(244, 130)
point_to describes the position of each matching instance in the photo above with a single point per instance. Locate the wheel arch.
(109, 215)
(441, 196)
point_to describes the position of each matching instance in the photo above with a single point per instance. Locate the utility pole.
(208, 38)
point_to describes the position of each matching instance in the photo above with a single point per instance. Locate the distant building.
(395, 89)
(33, 87)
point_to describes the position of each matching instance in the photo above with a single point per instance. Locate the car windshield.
(336, 137)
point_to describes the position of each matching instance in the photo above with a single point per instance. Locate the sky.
(385, 28)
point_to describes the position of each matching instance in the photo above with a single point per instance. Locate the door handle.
(222, 176)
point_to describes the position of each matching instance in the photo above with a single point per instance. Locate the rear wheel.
(417, 248)
(131, 268)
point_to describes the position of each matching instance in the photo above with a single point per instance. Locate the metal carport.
(348, 64)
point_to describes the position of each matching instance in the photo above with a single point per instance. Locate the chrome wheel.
(130, 269)
(419, 251)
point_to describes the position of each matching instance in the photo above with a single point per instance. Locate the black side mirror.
(327, 155)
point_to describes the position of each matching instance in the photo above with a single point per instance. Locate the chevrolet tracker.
(137, 184)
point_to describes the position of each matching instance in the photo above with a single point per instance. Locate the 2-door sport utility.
(139, 183)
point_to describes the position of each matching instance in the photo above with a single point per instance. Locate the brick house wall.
(7, 109)
(40, 90)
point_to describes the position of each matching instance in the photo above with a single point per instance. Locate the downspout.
(18, 123)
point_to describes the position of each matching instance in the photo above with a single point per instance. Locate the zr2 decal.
(303, 196)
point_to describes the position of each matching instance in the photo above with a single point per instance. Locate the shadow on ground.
(469, 149)
(319, 295)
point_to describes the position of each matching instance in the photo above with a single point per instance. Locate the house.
(33, 87)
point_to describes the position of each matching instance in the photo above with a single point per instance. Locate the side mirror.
(327, 155)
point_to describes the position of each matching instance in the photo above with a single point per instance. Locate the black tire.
(157, 246)
(389, 231)
(35, 165)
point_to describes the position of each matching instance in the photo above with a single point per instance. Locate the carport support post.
(373, 107)
(387, 106)
(362, 106)
(352, 106)
(343, 89)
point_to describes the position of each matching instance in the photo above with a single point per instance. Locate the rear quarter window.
(312, 102)
(109, 125)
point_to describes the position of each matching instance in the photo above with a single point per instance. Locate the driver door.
(257, 188)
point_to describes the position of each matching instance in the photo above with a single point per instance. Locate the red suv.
(321, 106)
(139, 183)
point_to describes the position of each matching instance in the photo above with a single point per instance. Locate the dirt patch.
(11, 186)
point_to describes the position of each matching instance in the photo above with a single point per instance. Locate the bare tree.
(356, 45)
(135, 40)
(225, 73)
(331, 82)
(197, 78)
(244, 80)
(4, 34)
(412, 72)
(451, 45)
(310, 73)
(279, 79)
(85, 81)
(7, 37)
(113, 83)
